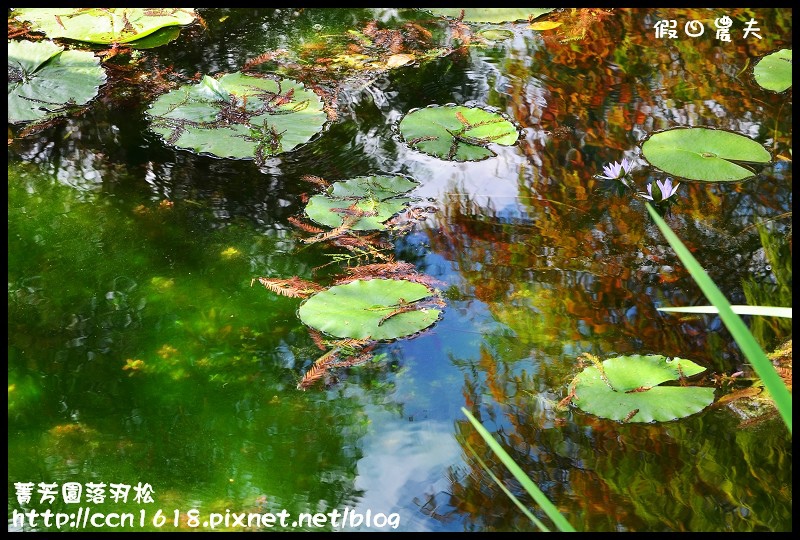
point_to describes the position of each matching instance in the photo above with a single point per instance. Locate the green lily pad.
(497, 34)
(156, 39)
(332, 212)
(372, 187)
(456, 133)
(627, 389)
(373, 196)
(491, 15)
(44, 80)
(238, 116)
(103, 25)
(378, 309)
(774, 71)
(703, 154)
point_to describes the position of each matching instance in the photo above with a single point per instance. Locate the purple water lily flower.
(616, 170)
(666, 189)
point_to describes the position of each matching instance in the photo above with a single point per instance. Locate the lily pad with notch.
(238, 116)
(103, 25)
(706, 154)
(376, 309)
(371, 199)
(45, 81)
(774, 71)
(457, 132)
(626, 388)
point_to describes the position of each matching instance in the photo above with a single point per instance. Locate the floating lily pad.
(703, 154)
(774, 71)
(374, 197)
(456, 133)
(332, 212)
(491, 15)
(627, 389)
(497, 34)
(103, 25)
(372, 187)
(44, 80)
(378, 309)
(238, 116)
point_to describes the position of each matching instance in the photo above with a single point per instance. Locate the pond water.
(140, 352)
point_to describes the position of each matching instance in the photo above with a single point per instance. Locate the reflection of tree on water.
(563, 283)
(613, 477)
(587, 292)
(574, 269)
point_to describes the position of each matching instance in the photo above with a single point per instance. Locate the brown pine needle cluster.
(346, 353)
(293, 287)
(347, 224)
(316, 180)
(413, 306)
(302, 225)
(354, 210)
(318, 369)
(317, 338)
(368, 242)
(389, 270)
(330, 98)
(262, 58)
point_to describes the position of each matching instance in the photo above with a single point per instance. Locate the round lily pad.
(373, 213)
(774, 71)
(378, 309)
(45, 80)
(626, 389)
(238, 116)
(703, 154)
(372, 187)
(456, 133)
(373, 199)
(103, 25)
(497, 34)
(491, 15)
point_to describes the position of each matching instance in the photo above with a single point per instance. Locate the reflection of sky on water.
(490, 183)
(402, 458)
(407, 456)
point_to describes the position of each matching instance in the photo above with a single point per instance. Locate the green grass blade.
(534, 519)
(533, 490)
(741, 334)
(766, 311)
